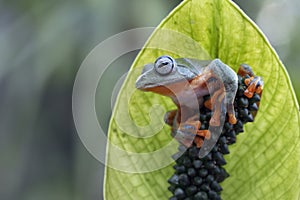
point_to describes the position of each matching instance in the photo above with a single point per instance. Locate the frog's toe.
(259, 89)
(232, 119)
(198, 141)
(254, 85)
(204, 133)
(248, 93)
(208, 104)
(247, 81)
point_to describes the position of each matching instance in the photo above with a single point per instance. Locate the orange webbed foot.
(208, 104)
(198, 141)
(189, 131)
(254, 85)
(191, 125)
(232, 119)
(204, 133)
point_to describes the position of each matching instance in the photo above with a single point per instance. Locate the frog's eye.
(164, 65)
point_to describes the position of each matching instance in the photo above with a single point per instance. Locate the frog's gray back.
(194, 65)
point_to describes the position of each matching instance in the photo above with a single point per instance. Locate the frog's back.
(196, 66)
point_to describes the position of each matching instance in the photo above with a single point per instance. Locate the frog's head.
(166, 72)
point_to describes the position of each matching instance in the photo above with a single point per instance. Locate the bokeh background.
(42, 44)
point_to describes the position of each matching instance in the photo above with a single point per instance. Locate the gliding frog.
(186, 81)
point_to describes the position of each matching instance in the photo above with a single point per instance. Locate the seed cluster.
(199, 178)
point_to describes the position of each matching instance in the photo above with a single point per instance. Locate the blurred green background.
(42, 44)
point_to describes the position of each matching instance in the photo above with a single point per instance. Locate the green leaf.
(263, 164)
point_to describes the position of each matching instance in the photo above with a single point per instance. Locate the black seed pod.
(197, 164)
(203, 172)
(197, 180)
(174, 180)
(187, 162)
(191, 172)
(216, 171)
(240, 91)
(180, 169)
(205, 187)
(209, 165)
(253, 107)
(231, 140)
(183, 180)
(201, 196)
(193, 152)
(173, 198)
(222, 175)
(243, 112)
(218, 157)
(213, 195)
(209, 178)
(243, 102)
(191, 190)
(224, 149)
(215, 186)
(179, 193)
(254, 99)
(172, 188)
(230, 133)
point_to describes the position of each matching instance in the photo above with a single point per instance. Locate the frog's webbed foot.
(254, 83)
(189, 132)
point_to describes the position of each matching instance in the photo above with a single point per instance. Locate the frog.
(187, 80)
